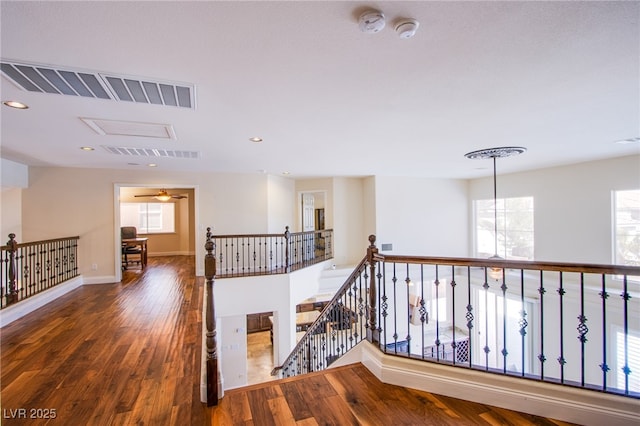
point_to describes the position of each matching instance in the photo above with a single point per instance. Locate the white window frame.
(630, 222)
(502, 212)
(167, 217)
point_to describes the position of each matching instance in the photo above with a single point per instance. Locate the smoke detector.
(371, 21)
(407, 28)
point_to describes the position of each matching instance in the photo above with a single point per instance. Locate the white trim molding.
(24, 307)
(527, 396)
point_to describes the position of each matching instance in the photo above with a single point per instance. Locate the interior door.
(308, 224)
(308, 218)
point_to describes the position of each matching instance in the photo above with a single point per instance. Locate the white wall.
(280, 198)
(349, 240)
(10, 214)
(15, 177)
(425, 217)
(67, 202)
(237, 297)
(572, 219)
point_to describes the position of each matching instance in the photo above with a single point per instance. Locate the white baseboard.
(171, 253)
(527, 396)
(105, 279)
(24, 307)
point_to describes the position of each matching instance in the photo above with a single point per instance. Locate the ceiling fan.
(163, 195)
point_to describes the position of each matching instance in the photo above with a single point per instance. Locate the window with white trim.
(149, 218)
(515, 228)
(626, 206)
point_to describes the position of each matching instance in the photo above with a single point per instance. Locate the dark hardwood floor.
(129, 354)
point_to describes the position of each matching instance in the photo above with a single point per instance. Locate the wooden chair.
(128, 232)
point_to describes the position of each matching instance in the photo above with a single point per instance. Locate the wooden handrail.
(35, 243)
(513, 264)
(378, 296)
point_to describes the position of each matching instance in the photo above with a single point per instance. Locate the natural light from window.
(148, 218)
(626, 206)
(515, 228)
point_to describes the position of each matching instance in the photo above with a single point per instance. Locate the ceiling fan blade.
(178, 196)
(146, 195)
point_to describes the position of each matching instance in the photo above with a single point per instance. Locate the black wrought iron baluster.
(523, 322)
(582, 330)
(25, 286)
(469, 317)
(423, 311)
(349, 296)
(541, 357)
(625, 297)
(394, 280)
(561, 360)
(437, 342)
(453, 316)
(485, 286)
(384, 305)
(504, 351)
(409, 310)
(603, 366)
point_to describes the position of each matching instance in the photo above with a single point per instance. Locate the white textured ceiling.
(560, 78)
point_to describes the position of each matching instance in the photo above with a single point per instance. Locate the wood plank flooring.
(129, 354)
(111, 354)
(352, 395)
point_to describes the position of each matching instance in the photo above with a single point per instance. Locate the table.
(137, 242)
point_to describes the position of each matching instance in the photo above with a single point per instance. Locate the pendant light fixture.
(494, 153)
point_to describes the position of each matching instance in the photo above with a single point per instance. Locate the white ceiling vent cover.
(130, 128)
(94, 84)
(151, 152)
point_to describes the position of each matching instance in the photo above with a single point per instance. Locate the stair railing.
(572, 324)
(27, 269)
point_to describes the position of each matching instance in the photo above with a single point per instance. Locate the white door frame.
(199, 240)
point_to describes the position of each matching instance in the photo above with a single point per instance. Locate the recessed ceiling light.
(16, 104)
(255, 139)
(628, 141)
(152, 165)
(286, 173)
(87, 148)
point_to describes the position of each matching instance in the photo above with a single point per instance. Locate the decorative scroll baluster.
(287, 261)
(504, 351)
(582, 330)
(625, 369)
(373, 334)
(486, 348)
(453, 315)
(603, 366)
(541, 357)
(561, 359)
(469, 315)
(523, 322)
(12, 293)
(210, 318)
(438, 319)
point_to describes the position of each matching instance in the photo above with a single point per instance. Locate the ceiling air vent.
(151, 152)
(90, 84)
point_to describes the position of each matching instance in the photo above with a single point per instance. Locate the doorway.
(171, 234)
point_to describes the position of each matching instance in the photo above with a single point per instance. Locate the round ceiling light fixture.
(16, 105)
(407, 28)
(371, 21)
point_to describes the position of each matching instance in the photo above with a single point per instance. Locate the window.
(626, 227)
(148, 218)
(629, 358)
(515, 228)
